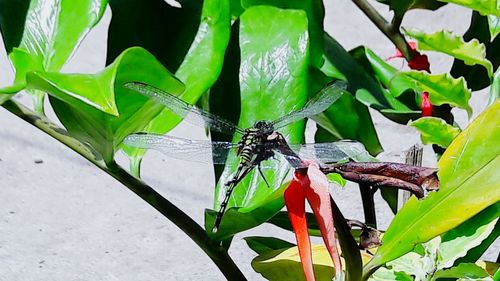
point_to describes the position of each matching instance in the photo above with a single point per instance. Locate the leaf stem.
(391, 31)
(217, 253)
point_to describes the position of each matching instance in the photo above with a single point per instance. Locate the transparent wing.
(183, 149)
(189, 112)
(331, 152)
(319, 103)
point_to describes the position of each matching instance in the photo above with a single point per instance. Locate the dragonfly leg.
(262, 174)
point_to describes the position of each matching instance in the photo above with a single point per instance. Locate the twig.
(218, 254)
(391, 31)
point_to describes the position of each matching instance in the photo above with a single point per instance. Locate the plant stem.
(368, 204)
(218, 254)
(391, 31)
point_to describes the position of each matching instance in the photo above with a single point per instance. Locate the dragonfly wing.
(183, 149)
(331, 152)
(190, 113)
(319, 103)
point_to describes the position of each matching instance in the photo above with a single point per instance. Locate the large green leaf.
(435, 131)
(315, 17)
(200, 68)
(429, 259)
(469, 182)
(484, 7)
(471, 53)
(273, 81)
(51, 34)
(458, 241)
(86, 103)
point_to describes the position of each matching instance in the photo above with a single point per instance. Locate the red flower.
(418, 62)
(313, 186)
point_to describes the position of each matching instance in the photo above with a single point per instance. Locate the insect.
(258, 143)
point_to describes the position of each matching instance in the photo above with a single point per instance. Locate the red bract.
(426, 105)
(312, 186)
(418, 62)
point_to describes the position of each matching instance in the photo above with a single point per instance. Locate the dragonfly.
(257, 144)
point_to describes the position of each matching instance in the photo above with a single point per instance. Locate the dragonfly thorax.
(264, 127)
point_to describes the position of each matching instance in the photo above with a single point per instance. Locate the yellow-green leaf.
(484, 7)
(471, 53)
(470, 182)
(435, 130)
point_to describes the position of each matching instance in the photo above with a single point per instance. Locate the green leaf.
(264, 245)
(495, 87)
(200, 67)
(273, 81)
(12, 18)
(400, 7)
(362, 82)
(435, 130)
(315, 17)
(476, 76)
(284, 264)
(350, 250)
(469, 182)
(471, 53)
(384, 274)
(457, 242)
(236, 220)
(494, 26)
(442, 88)
(484, 7)
(86, 103)
(51, 34)
(469, 271)
(347, 118)
(281, 220)
(163, 30)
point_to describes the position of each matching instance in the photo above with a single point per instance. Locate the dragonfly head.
(264, 127)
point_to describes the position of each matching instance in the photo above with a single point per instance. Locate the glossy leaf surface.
(273, 82)
(51, 34)
(435, 130)
(201, 66)
(471, 53)
(469, 184)
(89, 114)
(315, 17)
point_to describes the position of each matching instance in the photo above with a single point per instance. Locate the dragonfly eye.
(264, 126)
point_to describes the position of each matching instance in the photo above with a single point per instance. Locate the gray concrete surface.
(64, 219)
